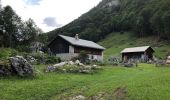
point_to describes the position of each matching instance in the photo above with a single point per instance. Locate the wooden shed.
(140, 53)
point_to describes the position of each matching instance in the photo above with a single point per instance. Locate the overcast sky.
(51, 14)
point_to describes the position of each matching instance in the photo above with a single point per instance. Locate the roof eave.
(81, 45)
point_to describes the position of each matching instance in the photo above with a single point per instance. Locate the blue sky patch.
(32, 2)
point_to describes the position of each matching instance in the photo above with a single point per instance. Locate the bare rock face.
(21, 67)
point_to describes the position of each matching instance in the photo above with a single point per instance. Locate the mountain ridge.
(143, 18)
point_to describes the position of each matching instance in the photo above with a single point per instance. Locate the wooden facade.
(88, 50)
(59, 45)
(147, 55)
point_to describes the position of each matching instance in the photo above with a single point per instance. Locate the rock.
(20, 66)
(50, 69)
(71, 62)
(60, 64)
(128, 65)
(160, 63)
(81, 64)
(88, 67)
(79, 97)
(77, 62)
(85, 71)
(31, 60)
(94, 65)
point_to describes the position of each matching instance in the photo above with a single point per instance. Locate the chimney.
(76, 37)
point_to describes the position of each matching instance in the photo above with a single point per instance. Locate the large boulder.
(21, 67)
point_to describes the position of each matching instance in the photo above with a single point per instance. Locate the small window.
(92, 57)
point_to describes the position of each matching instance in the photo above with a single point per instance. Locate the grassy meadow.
(145, 82)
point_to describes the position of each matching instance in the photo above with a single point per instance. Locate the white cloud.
(51, 22)
(64, 11)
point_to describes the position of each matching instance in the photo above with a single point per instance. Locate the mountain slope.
(116, 42)
(142, 17)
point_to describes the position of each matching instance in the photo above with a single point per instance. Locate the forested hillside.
(16, 33)
(142, 17)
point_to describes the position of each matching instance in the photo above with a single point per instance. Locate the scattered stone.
(50, 69)
(94, 65)
(31, 60)
(72, 67)
(71, 62)
(60, 64)
(79, 97)
(77, 62)
(160, 63)
(128, 65)
(87, 67)
(99, 96)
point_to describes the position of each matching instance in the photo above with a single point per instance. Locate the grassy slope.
(141, 83)
(116, 42)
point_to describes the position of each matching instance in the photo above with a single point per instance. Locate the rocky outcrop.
(21, 67)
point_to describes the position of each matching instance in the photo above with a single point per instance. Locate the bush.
(52, 60)
(99, 63)
(42, 58)
(5, 68)
(5, 53)
(23, 48)
(83, 57)
(39, 57)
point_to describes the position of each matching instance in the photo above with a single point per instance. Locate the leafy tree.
(166, 22)
(18, 33)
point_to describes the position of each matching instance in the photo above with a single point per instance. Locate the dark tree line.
(142, 17)
(15, 32)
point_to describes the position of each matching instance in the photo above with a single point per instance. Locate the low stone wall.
(67, 56)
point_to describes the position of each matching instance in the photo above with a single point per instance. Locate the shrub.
(42, 58)
(5, 68)
(5, 53)
(23, 48)
(39, 57)
(52, 60)
(83, 57)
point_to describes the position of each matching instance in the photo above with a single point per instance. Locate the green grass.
(116, 42)
(145, 82)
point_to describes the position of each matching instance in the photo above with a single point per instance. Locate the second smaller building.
(141, 53)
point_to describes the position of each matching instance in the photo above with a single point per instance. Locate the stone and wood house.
(140, 53)
(67, 48)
